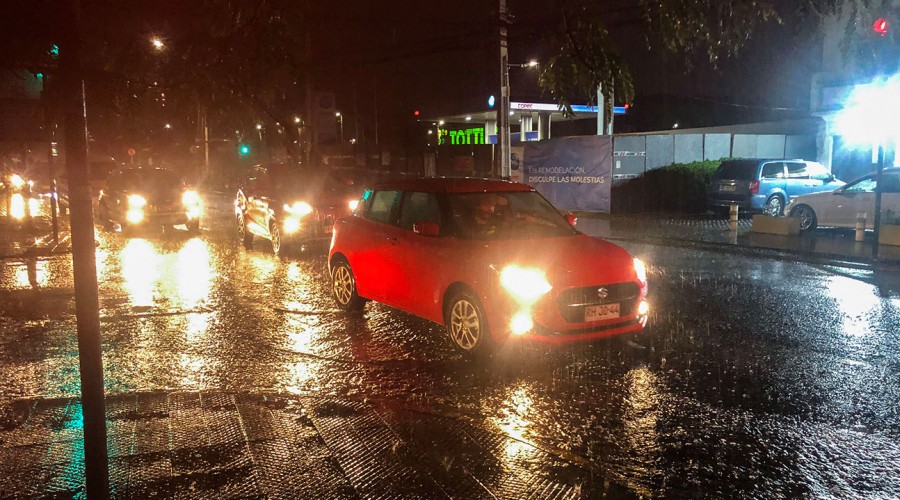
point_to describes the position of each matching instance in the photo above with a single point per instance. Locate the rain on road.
(755, 377)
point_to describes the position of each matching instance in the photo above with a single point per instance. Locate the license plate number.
(601, 312)
(726, 188)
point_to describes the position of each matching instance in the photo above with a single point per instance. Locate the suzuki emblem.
(602, 293)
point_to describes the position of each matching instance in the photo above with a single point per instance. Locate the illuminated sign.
(576, 108)
(474, 135)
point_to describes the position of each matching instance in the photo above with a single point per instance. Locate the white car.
(838, 208)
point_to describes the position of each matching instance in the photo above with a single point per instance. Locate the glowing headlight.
(291, 225)
(137, 201)
(353, 204)
(640, 270)
(643, 308)
(526, 285)
(17, 181)
(191, 198)
(134, 216)
(521, 323)
(301, 208)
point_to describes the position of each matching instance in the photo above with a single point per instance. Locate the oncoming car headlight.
(301, 208)
(191, 198)
(136, 201)
(526, 285)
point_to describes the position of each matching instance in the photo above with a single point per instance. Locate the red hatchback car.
(487, 259)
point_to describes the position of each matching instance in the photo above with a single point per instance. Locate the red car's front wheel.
(467, 325)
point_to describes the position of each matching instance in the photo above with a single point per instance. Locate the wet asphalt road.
(755, 377)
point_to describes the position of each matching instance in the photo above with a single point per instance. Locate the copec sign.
(473, 135)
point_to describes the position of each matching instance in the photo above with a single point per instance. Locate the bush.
(678, 188)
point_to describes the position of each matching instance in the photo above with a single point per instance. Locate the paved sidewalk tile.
(211, 444)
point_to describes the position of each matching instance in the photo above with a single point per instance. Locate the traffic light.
(243, 149)
(416, 113)
(880, 26)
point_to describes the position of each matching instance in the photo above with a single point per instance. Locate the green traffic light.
(244, 150)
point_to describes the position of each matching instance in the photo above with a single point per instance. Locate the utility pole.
(503, 138)
(87, 303)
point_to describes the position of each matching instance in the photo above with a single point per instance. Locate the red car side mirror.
(426, 228)
(571, 219)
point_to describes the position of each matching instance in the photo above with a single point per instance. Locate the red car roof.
(452, 185)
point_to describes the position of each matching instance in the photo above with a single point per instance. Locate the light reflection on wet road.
(755, 377)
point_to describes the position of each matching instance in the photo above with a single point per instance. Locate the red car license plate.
(601, 312)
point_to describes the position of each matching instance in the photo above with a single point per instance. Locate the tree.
(234, 63)
(585, 56)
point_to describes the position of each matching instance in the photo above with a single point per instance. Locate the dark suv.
(143, 197)
(766, 185)
(290, 204)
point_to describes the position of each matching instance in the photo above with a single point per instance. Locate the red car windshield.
(506, 215)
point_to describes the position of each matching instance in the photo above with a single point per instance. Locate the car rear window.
(743, 170)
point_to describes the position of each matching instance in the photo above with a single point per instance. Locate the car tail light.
(754, 187)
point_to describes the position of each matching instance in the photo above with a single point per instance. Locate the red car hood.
(571, 261)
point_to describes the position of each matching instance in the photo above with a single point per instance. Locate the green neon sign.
(474, 135)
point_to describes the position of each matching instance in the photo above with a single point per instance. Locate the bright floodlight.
(870, 113)
(157, 43)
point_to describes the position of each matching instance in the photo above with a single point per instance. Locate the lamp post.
(340, 117)
(503, 135)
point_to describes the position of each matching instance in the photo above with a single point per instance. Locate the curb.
(773, 253)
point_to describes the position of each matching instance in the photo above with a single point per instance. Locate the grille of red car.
(572, 302)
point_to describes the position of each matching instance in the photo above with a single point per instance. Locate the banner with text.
(574, 173)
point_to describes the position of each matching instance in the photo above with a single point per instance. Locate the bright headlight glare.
(16, 180)
(353, 204)
(643, 308)
(521, 323)
(137, 201)
(17, 206)
(527, 285)
(134, 215)
(301, 208)
(291, 225)
(640, 270)
(191, 197)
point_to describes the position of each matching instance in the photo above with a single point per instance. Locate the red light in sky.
(880, 26)
(416, 113)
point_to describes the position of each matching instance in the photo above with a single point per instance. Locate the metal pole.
(601, 107)
(878, 188)
(87, 304)
(51, 160)
(503, 136)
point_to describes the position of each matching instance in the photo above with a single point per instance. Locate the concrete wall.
(634, 154)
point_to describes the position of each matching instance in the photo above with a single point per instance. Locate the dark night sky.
(440, 57)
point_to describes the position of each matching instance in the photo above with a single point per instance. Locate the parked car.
(838, 208)
(144, 197)
(288, 204)
(766, 185)
(487, 259)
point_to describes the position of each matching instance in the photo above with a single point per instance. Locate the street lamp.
(869, 118)
(341, 118)
(157, 43)
(504, 112)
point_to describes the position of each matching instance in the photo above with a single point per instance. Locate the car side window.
(866, 185)
(818, 172)
(797, 170)
(419, 207)
(773, 171)
(383, 207)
